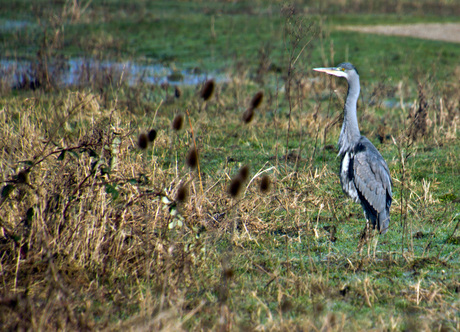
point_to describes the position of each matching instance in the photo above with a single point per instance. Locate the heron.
(364, 174)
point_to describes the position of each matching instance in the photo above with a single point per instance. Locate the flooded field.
(79, 72)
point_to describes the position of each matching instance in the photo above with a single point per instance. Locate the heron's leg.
(364, 236)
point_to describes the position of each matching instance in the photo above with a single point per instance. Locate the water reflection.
(80, 72)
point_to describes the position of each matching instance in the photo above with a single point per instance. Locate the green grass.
(92, 237)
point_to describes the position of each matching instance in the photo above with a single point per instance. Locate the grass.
(94, 235)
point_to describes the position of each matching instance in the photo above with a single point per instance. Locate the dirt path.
(438, 31)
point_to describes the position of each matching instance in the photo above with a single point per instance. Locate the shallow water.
(8, 25)
(81, 71)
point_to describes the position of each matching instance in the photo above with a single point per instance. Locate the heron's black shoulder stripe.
(360, 147)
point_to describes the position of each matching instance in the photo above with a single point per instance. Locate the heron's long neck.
(350, 131)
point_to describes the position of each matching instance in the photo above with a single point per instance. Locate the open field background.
(101, 228)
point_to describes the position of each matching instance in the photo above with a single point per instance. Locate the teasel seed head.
(143, 141)
(265, 183)
(257, 99)
(228, 273)
(192, 158)
(182, 192)
(207, 90)
(244, 172)
(177, 92)
(152, 135)
(22, 177)
(235, 186)
(248, 115)
(177, 122)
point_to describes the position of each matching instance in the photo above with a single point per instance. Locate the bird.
(364, 174)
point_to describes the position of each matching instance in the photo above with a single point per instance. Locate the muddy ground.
(449, 32)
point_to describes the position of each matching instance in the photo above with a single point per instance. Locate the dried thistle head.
(182, 193)
(235, 186)
(177, 122)
(192, 158)
(152, 135)
(248, 115)
(207, 90)
(177, 92)
(257, 99)
(244, 172)
(143, 141)
(265, 183)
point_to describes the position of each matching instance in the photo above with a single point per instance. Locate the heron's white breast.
(348, 185)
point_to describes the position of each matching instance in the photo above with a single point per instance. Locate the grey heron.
(364, 174)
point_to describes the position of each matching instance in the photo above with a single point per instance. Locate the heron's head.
(345, 69)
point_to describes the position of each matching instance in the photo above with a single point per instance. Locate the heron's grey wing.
(372, 178)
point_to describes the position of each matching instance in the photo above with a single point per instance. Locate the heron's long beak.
(336, 71)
